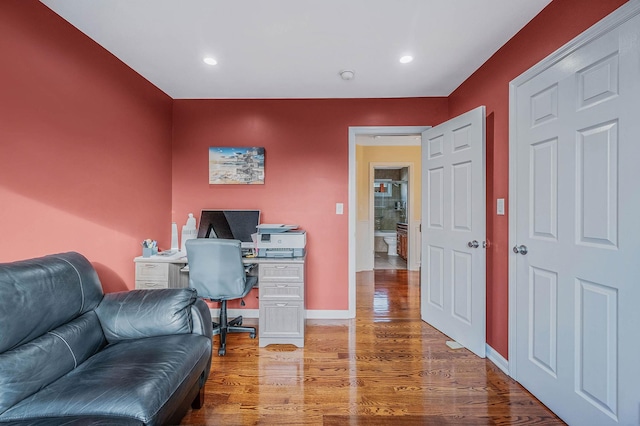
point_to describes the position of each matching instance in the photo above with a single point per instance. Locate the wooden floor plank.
(384, 367)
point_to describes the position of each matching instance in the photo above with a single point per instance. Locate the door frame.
(411, 263)
(611, 21)
(353, 132)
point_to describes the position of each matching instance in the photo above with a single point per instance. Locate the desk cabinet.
(281, 293)
(153, 274)
(402, 238)
(282, 307)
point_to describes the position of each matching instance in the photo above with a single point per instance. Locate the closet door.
(575, 210)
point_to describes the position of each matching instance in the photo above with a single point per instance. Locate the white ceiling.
(296, 48)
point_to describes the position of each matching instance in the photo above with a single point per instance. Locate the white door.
(453, 229)
(576, 162)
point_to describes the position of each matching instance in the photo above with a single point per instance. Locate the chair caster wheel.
(252, 335)
(222, 351)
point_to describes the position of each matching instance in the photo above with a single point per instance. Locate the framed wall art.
(236, 165)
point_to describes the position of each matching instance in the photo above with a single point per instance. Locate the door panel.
(453, 284)
(543, 306)
(597, 186)
(544, 189)
(461, 195)
(435, 276)
(575, 133)
(435, 195)
(462, 286)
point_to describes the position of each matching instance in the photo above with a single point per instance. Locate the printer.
(277, 240)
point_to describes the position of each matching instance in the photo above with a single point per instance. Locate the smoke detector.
(347, 75)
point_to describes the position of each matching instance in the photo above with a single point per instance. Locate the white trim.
(497, 359)
(232, 313)
(411, 262)
(353, 131)
(328, 314)
(389, 140)
(611, 21)
(310, 314)
(512, 335)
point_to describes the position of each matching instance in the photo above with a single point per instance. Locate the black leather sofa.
(71, 355)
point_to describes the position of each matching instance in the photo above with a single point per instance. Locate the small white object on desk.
(189, 231)
(174, 237)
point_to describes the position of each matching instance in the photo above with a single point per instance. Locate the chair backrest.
(215, 268)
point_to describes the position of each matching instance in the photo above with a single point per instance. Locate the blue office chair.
(217, 273)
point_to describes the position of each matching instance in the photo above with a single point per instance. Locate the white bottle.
(191, 222)
(189, 231)
(174, 237)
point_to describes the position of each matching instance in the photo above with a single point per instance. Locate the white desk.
(281, 299)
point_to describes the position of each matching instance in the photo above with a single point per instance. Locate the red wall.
(557, 24)
(85, 147)
(306, 169)
(86, 151)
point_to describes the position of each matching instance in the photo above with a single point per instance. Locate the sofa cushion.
(146, 313)
(38, 295)
(132, 379)
(32, 366)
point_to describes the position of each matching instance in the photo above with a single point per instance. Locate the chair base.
(224, 327)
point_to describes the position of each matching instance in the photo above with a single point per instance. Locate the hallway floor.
(383, 261)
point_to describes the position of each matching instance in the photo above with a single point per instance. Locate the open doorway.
(361, 225)
(390, 201)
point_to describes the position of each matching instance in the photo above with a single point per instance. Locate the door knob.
(522, 249)
(473, 244)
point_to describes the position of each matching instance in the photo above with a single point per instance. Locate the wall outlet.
(500, 207)
(339, 208)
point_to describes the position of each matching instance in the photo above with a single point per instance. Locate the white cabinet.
(154, 274)
(281, 284)
(282, 307)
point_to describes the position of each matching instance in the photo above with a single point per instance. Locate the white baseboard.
(311, 314)
(498, 360)
(232, 313)
(327, 314)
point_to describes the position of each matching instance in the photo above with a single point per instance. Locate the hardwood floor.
(386, 367)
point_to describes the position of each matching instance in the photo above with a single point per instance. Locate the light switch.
(500, 207)
(339, 208)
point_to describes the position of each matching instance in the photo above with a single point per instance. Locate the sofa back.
(47, 322)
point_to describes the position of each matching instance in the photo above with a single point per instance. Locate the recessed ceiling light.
(406, 59)
(210, 61)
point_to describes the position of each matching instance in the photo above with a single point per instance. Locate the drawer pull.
(280, 305)
(282, 285)
(153, 285)
(150, 266)
(280, 266)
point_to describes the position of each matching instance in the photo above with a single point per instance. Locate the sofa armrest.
(146, 313)
(201, 317)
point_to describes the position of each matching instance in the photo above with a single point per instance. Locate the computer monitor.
(229, 224)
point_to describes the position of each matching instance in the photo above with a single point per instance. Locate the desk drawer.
(152, 271)
(151, 285)
(281, 272)
(281, 319)
(281, 291)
